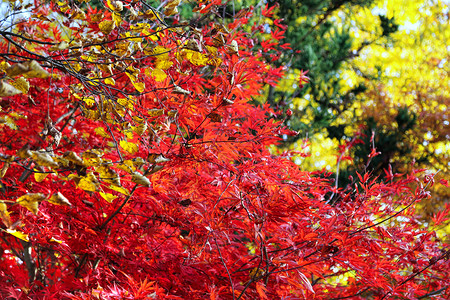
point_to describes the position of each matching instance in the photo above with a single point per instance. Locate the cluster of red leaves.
(223, 218)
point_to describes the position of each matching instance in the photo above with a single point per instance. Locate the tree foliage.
(134, 165)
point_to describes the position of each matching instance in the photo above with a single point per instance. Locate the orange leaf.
(261, 289)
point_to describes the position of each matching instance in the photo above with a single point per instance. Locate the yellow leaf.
(63, 6)
(18, 234)
(43, 159)
(108, 197)
(31, 201)
(29, 69)
(180, 90)
(108, 175)
(110, 81)
(119, 189)
(196, 58)
(114, 5)
(90, 101)
(155, 112)
(159, 75)
(163, 64)
(59, 199)
(101, 132)
(55, 240)
(126, 103)
(4, 169)
(21, 84)
(73, 157)
(132, 73)
(61, 46)
(140, 179)
(140, 129)
(151, 15)
(4, 214)
(128, 133)
(126, 166)
(4, 65)
(88, 183)
(7, 90)
(39, 177)
(106, 26)
(116, 18)
(129, 147)
(139, 86)
(79, 14)
(97, 17)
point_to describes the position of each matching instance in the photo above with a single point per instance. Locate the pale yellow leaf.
(140, 179)
(43, 159)
(61, 46)
(180, 90)
(59, 199)
(7, 90)
(29, 69)
(114, 5)
(4, 214)
(4, 169)
(31, 201)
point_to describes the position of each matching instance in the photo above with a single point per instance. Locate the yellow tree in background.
(413, 85)
(407, 98)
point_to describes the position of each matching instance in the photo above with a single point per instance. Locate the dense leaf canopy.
(134, 164)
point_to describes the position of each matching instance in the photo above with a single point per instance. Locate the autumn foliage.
(134, 164)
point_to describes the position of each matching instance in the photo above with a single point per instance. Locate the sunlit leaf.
(29, 69)
(18, 234)
(108, 197)
(106, 26)
(158, 75)
(88, 183)
(21, 84)
(110, 81)
(39, 176)
(140, 179)
(7, 89)
(139, 86)
(119, 189)
(43, 159)
(31, 201)
(4, 214)
(59, 199)
(129, 147)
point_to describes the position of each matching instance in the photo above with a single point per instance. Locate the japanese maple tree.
(134, 165)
